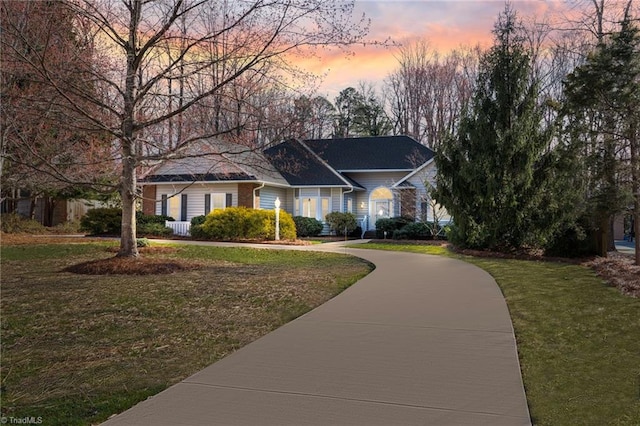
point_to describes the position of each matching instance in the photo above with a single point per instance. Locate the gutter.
(343, 194)
(254, 193)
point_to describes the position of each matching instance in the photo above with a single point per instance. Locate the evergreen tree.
(602, 117)
(496, 176)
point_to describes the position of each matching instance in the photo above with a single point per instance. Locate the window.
(217, 200)
(174, 207)
(183, 207)
(325, 205)
(163, 205)
(313, 203)
(349, 205)
(309, 207)
(170, 206)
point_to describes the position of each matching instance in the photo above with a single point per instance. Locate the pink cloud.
(446, 25)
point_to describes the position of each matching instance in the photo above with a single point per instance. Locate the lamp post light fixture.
(277, 204)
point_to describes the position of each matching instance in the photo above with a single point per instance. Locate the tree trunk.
(611, 245)
(635, 185)
(128, 246)
(33, 200)
(603, 237)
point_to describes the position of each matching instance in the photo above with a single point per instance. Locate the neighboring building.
(372, 177)
(48, 211)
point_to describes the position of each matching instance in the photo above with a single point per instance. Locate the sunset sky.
(446, 24)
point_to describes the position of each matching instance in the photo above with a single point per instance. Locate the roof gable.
(213, 161)
(372, 153)
(301, 167)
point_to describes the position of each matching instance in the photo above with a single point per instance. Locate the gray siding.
(422, 195)
(268, 197)
(371, 181)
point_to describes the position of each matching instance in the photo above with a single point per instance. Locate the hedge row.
(403, 228)
(241, 223)
(108, 221)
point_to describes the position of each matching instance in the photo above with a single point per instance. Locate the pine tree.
(602, 116)
(495, 175)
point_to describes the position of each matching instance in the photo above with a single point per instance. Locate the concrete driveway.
(422, 340)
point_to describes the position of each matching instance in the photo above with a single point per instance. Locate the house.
(372, 177)
(47, 210)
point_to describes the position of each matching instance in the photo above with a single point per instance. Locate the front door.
(381, 210)
(381, 202)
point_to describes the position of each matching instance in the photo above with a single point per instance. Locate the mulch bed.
(131, 266)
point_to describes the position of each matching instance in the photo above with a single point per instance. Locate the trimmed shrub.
(142, 218)
(196, 230)
(108, 221)
(342, 223)
(198, 220)
(414, 231)
(307, 226)
(226, 224)
(391, 225)
(241, 223)
(154, 230)
(262, 225)
(102, 221)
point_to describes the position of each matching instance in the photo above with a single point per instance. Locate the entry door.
(381, 210)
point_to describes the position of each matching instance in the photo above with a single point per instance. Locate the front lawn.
(578, 339)
(78, 348)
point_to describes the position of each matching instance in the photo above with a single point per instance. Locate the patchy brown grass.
(77, 348)
(619, 271)
(27, 239)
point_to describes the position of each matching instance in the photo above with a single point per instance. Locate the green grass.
(578, 340)
(413, 248)
(78, 348)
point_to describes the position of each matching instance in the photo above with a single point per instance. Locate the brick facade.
(245, 194)
(149, 199)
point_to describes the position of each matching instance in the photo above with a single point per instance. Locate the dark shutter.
(163, 205)
(207, 203)
(183, 208)
(228, 201)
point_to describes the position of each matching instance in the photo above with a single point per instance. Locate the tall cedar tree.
(495, 175)
(602, 112)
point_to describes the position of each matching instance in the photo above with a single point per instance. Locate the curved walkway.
(422, 340)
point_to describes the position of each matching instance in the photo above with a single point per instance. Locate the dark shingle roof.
(300, 167)
(216, 161)
(372, 153)
(203, 177)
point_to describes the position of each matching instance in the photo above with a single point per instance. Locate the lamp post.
(277, 204)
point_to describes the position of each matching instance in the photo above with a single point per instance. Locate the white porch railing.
(179, 228)
(364, 225)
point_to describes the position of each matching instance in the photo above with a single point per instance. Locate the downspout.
(254, 194)
(343, 194)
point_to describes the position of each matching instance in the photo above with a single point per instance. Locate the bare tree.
(428, 91)
(47, 151)
(154, 61)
